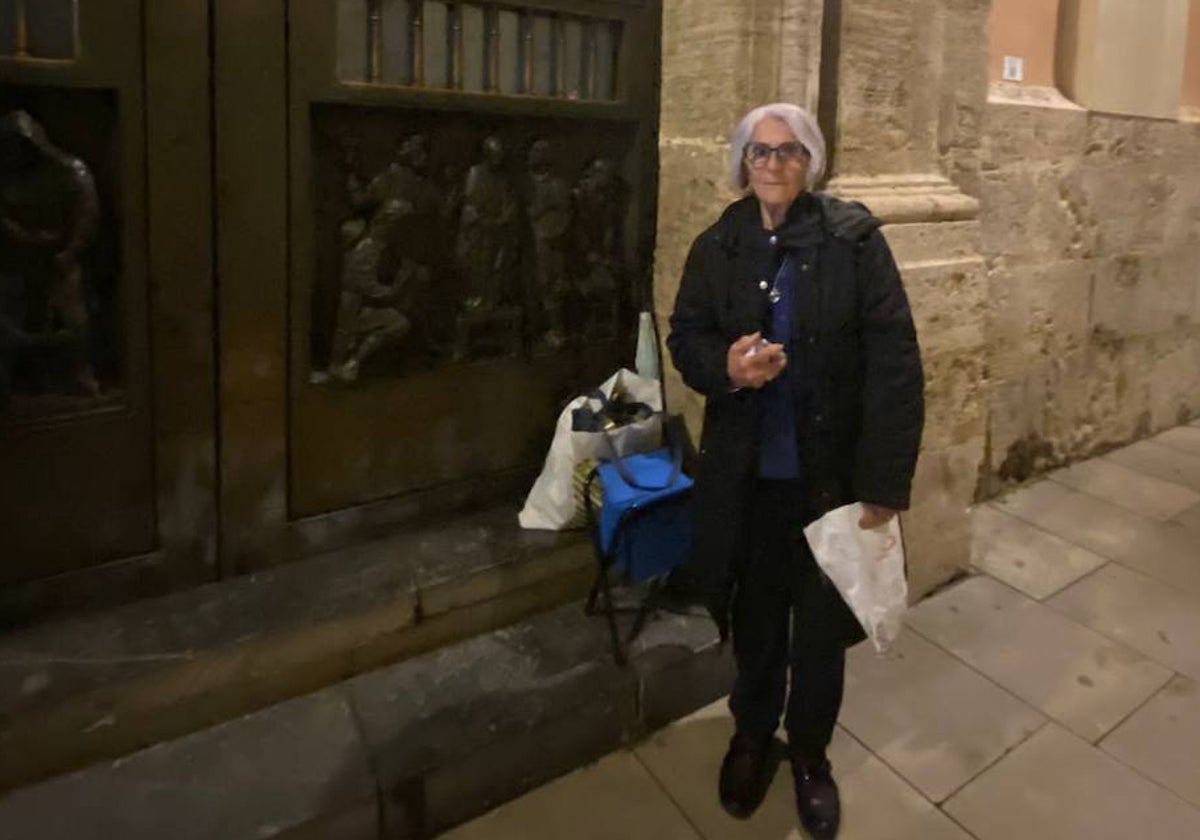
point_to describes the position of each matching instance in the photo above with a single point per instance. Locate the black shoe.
(817, 799)
(746, 774)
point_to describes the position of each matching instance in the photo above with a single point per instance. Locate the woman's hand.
(752, 363)
(875, 516)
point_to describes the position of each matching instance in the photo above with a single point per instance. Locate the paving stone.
(1025, 557)
(1161, 621)
(878, 805)
(277, 773)
(1149, 496)
(930, 717)
(613, 798)
(1084, 680)
(1190, 519)
(686, 757)
(1183, 438)
(1163, 550)
(1056, 786)
(1074, 516)
(1151, 458)
(1160, 740)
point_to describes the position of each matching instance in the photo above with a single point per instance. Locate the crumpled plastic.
(551, 503)
(867, 567)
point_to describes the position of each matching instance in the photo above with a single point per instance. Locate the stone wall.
(1091, 232)
(1050, 254)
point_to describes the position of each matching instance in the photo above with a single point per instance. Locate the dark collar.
(812, 218)
(741, 224)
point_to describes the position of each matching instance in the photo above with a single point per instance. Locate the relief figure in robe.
(548, 204)
(487, 249)
(49, 211)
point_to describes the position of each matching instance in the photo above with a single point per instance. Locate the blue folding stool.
(643, 529)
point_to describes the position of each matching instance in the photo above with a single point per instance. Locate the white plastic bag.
(551, 502)
(866, 566)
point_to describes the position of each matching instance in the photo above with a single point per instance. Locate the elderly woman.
(792, 321)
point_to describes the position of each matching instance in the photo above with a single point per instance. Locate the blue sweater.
(779, 456)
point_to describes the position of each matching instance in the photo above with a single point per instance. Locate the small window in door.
(38, 29)
(504, 50)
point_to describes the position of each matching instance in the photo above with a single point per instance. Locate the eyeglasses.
(757, 154)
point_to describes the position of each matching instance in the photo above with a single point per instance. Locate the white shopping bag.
(551, 502)
(866, 566)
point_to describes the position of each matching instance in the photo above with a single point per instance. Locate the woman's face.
(779, 178)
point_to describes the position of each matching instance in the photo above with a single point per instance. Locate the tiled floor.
(1054, 695)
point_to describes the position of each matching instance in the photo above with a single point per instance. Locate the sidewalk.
(1052, 695)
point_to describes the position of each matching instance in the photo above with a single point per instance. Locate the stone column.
(904, 86)
(720, 58)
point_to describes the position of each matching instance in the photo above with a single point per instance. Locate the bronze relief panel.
(454, 238)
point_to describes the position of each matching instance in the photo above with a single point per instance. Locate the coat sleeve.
(893, 383)
(697, 345)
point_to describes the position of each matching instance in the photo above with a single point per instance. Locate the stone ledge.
(464, 729)
(276, 773)
(77, 691)
(1038, 96)
(402, 753)
(907, 198)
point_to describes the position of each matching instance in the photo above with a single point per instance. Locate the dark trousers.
(782, 623)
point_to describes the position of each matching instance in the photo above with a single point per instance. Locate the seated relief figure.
(379, 285)
(48, 214)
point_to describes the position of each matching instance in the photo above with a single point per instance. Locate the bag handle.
(626, 476)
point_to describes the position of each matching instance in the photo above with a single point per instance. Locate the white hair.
(802, 124)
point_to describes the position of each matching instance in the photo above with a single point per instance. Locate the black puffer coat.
(854, 363)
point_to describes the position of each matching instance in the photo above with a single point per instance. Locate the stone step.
(80, 690)
(403, 752)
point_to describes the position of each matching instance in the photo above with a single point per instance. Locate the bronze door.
(348, 256)
(468, 191)
(412, 136)
(105, 362)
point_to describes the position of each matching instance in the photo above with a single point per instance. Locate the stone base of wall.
(1091, 232)
(946, 281)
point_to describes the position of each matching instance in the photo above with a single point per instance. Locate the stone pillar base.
(934, 233)
(907, 198)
